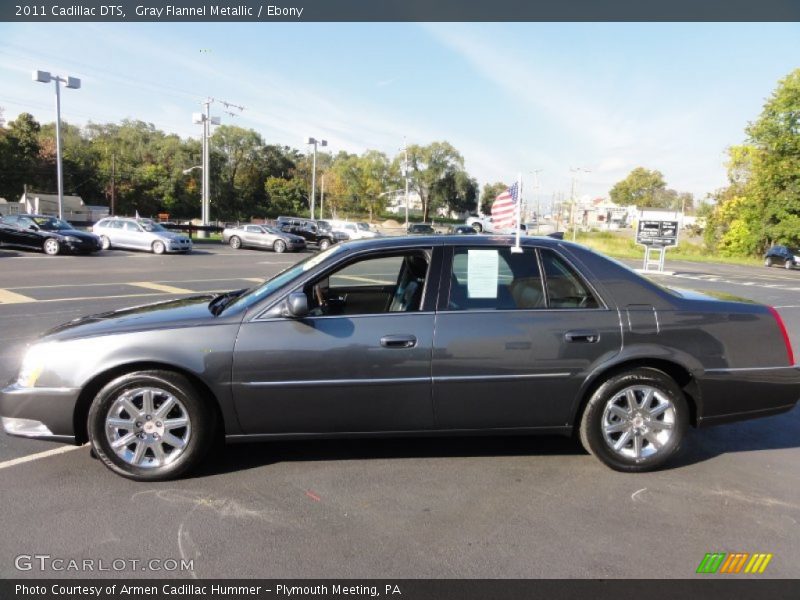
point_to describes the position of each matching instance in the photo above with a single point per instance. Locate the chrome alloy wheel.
(148, 427)
(638, 421)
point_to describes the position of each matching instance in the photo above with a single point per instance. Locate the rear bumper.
(40, 413)
(728, 395)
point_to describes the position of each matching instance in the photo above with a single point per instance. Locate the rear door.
(515, 336)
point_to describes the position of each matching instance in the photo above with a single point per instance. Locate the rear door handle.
(398, 341)
(582, 336)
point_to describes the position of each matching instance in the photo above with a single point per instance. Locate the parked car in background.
(354, 230)
(782, 255)
(480, 224)
(462, 230)
(420, 229)
(140, 234)
(311, 231)
(51, 235)
(409, 336)
(262, 236)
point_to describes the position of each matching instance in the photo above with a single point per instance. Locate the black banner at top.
(398, 10)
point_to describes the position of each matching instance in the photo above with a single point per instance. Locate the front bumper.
(179, 246)
(83, 246)
(40, 413)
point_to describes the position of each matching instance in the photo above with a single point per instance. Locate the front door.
(512, 347)
(359, 362)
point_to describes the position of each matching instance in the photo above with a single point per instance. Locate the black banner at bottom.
(405, 589)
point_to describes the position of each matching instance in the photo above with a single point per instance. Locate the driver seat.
(408, 294)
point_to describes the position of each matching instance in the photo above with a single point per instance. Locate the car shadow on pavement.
(239, 457)
(770, 433)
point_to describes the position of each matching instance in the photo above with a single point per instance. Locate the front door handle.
(398, 341)
(582, 336)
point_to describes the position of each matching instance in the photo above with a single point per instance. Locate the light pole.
(73, 83)
(206, 120)
(405, 176)
(314, 142)
(576, 171)
(322, 198)
(535, 174)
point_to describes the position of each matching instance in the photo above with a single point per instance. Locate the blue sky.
(511, 97)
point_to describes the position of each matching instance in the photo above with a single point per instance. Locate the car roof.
(406, 241)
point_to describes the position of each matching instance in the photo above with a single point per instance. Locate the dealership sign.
(656, 232)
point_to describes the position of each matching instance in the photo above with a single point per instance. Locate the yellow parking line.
(7, 297)
(149, 285)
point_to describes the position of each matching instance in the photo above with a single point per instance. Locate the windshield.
(363, 226)
(152, 227)
(324, 225)
(51, 224)
(258, 293)
(273, 230)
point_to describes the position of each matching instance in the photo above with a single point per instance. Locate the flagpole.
(516, 249)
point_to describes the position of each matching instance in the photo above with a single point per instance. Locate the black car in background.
(51, 235)
(782, 255)
(314, 232)
(420, 229)
(462, 230)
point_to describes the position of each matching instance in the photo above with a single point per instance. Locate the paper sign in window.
(482, 273)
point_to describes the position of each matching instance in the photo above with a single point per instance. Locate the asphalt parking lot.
(450, 507)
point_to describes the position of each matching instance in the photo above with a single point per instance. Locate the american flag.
(504, 215)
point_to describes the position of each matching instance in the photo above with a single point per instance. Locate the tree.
(237, 160)
(640, 188)
(428, 166)
(456, 191)
(21, 163)
(489, 193)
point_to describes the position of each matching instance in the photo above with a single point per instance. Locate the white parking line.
(31, 457)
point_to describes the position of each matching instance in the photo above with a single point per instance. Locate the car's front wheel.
(159, 247)
(279, 246)
(788, 264)
(477, 227)
(324, 244)
(635, 421)
(51, 246)
(150, 425)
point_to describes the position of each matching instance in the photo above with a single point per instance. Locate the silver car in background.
(262, 236)
(140, 234)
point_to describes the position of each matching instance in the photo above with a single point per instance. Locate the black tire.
(105, 243)
(324, 244)
(51, 247)
(159, 247)
(477, 227)
(235, 242)
(788, 264)
(592, 420)
(279, 246)
(199, 437)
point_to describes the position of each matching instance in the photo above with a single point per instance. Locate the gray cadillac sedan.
(409, 336)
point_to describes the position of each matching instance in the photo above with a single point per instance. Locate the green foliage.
(640, 188)
(489, 193)
(761, 205)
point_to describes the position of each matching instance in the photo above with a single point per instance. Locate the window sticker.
(482, 268)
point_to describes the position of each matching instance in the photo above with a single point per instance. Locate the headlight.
(73, 239)
(36, 360)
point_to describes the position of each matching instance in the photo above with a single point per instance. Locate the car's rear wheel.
(768, 261)
(105, 243)
(159, 247)
(477, 227)
(279, 246)
(324, 244)
(635, 421)
(150, 425)
(235, 242)
(788, 264)
(51, 246)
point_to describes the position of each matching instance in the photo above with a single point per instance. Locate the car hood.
(182, 312)
(82, 235)
(169, 235)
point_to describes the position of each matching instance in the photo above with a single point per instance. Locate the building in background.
(47, 204)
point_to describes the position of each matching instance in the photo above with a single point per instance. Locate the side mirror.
(297, 305)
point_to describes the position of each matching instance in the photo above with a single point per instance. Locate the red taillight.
(784, 333)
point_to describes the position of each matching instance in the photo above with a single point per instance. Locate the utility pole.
(322, 198)
(206, 120)
(113, 183)
(405, 175)
(314, 142)
(575, 171)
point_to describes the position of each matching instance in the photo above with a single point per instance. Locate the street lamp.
(577, 171)
(206, 120)
(314, 142)
(190, 169)
(73, 83)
